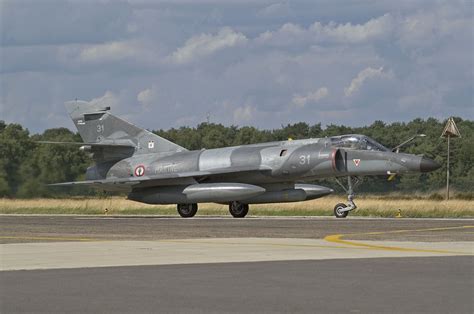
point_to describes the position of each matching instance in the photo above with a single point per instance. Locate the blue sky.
(165, 64)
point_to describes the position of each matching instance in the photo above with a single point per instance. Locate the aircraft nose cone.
(427, 165)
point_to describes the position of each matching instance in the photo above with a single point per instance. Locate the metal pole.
(447, 173)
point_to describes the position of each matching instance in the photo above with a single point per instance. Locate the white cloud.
(363, 75)
(108, 99)
(423, 99)
(286, 35)
(291, 50)
(311, 97)
(129, 53)
(146, 97)
(349, 33)
(427, 29)
(275, 10)
(206, 44)
(112, 51)
(244, 114)
(63, 22)
(375, 28)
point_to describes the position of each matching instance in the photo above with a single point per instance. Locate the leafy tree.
(295, 131)
(26, 167)
(4, 186)
(52, 163)
(250, 135)
(315, 130)
(15, 145)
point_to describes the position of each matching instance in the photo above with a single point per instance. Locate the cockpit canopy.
(356, 141)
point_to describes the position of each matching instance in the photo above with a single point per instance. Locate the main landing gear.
(187, 210)
(341, 210)
(238, 209)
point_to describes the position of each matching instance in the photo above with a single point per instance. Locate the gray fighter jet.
(154, 170)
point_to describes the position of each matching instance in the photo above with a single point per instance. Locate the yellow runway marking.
(415, 230)
(257, 243)
(47, 238)
(337, 238)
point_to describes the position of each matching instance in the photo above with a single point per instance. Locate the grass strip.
(367, 206)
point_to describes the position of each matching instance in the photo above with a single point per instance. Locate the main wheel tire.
(238, 210)
(337, 211)
(187, 210)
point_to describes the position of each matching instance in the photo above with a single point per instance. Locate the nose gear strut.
(341, 210)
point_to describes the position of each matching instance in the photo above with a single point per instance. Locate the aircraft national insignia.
(356, 162)
(139, 171)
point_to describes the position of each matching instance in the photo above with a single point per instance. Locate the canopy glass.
(356, 141)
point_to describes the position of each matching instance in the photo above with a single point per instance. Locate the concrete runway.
(164, 264)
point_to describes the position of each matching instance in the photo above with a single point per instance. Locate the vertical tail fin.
(97, 125)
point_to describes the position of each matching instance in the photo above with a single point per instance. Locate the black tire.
(337, 211)
(238, 210)
(187, 210)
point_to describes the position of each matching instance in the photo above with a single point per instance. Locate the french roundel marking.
(139, 171)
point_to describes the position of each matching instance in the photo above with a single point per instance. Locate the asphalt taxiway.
(219, 264)
(45, 228)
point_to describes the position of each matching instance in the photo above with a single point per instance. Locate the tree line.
(26, 166)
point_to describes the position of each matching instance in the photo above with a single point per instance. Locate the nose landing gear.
(341, 210)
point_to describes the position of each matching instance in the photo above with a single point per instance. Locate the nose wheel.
(341, 210)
